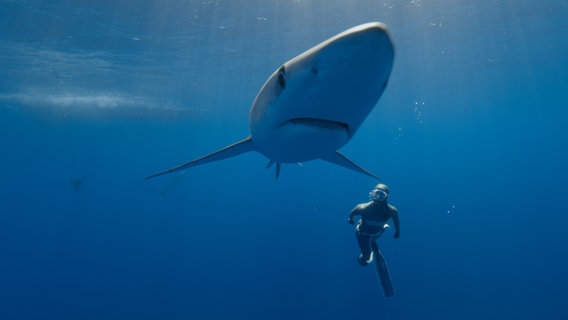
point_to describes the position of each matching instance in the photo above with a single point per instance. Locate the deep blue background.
(470, 135)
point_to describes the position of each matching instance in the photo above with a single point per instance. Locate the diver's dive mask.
(378, 195)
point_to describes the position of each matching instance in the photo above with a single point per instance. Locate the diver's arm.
(394, 217)
(354, 212)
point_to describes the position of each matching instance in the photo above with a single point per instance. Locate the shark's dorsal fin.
(341, 160)
(232, 150)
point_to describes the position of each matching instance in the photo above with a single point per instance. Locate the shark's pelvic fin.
(232, 150)
(341, 160)
(270, 163)
(278, 166)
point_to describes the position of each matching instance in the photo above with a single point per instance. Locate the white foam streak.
(106, 104)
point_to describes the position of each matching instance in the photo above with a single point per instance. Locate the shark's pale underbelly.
(302, 139)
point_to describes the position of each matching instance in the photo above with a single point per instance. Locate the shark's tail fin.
(232, 150)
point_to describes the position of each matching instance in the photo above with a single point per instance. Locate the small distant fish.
(76, 183)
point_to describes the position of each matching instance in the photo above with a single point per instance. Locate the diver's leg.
(365, 246)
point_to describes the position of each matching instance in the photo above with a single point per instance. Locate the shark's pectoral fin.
(232, 150)
(341, 160)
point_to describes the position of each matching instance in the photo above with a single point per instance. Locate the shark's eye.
(282, 77)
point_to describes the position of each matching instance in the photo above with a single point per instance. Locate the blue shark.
(312, 105)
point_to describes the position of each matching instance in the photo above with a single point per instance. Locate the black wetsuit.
(374, 216)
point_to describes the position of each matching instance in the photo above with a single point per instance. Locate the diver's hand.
(396, 234)
(350, 220)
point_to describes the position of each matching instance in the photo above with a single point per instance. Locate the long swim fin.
(232, 150)
(382, 271)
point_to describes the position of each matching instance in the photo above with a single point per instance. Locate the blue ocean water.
(470, 136)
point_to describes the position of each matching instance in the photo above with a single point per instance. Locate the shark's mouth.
(318, 123)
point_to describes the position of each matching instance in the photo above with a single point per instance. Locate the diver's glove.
(396, 235)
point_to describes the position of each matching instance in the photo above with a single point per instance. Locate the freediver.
(374, 216)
